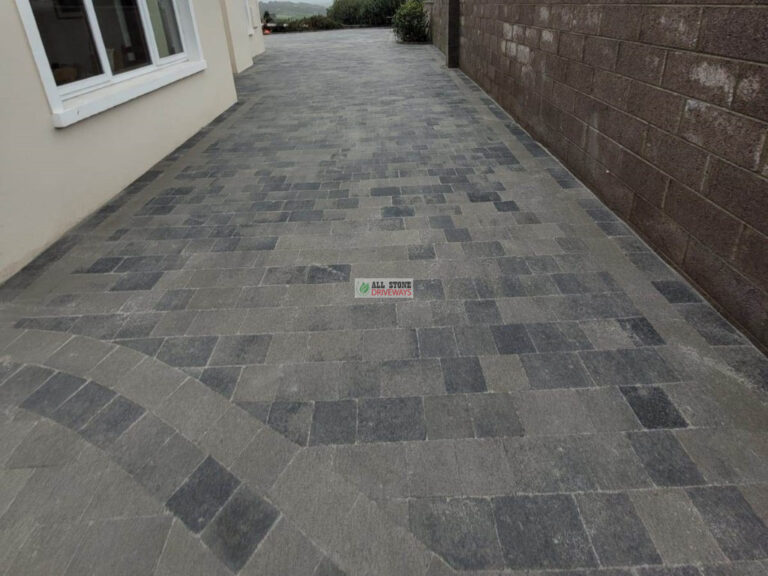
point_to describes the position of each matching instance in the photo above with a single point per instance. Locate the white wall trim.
(77, 109)
(75, 102)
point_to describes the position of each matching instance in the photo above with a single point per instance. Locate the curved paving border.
(220, 471)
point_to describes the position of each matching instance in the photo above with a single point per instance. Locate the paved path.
(188, 386)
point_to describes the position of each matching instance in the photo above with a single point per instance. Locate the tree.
(268, 19)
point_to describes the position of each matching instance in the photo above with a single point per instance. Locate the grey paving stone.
(292, 420)
(457, 235)
(494, 415)
(239, 528)
(558, 337)
(653, 407)
(82, 405)
(431, 289)
(461, 530)
(542, 532)
(248, 349)
(334, 423)
(186, 554)
(23, 383)
(45, 550)
(175, 300)
(463, 375)
(436, 343)
(676, 527)
(554, 370)
(482, 312)
(285, 550)
(738, 530)
(328, 274)
(448, 417)
(390, 419)
(419, 252)
(56, 390)
(264, 459)
(120, 547)
(133, 449)
(221, 379)
(377, 470)
(667, 463)
(616, 532)
(474, 340)
(187, 350)
(628, 366)
(137, 281)
(512, 339)
(390, 344)
(201, 496)
(48, 444)
(676, 292)
(641, 332)
(162, 472)
(328, 568)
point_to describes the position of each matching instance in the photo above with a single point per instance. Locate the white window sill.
(79, 108)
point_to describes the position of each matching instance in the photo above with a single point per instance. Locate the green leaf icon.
(364, 287)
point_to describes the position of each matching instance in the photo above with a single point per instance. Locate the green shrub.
(346, 11)
(410, 22)
(311, 23)
(364, 12)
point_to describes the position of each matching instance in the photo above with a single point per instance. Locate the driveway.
(189, 384)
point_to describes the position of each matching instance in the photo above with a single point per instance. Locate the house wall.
(50, 179)
(257, 39)
(661, 108)
(239, 42)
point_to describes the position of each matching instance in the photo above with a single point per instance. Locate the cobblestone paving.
(188, 385)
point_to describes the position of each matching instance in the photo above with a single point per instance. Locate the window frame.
(81, 99)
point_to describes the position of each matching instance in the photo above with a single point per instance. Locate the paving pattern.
(188, 385)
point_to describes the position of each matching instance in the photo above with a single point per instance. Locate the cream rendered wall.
(236, 20)
(257, 40)
(51, 179)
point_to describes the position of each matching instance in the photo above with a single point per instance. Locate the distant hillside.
(289, 10)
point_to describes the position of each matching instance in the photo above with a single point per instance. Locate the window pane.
(165, 27)
(66, 35)
(123, 34)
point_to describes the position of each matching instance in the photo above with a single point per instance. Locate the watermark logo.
(383, 287)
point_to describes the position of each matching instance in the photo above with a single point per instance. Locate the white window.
(96, 54)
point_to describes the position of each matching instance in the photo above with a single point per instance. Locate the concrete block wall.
(661, 106)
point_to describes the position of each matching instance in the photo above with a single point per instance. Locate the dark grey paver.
(615, 530)
(554, 371)
(542, 532)
(494, 415)
(334, 423)
(436, 343)
(653, 407)
(21, 384)
(82, 405)
(482, 312)
(448, 417)
(738, 530)
(461, 530)
(48, 397)
(203, 494)
(114, 419)
(463, 375)
(187, 350)
(665, 460)
(676, 292)
(239, 528)
(292, 420)
(512, 339)
(390, 419)
(249, 349)
(221, 379)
